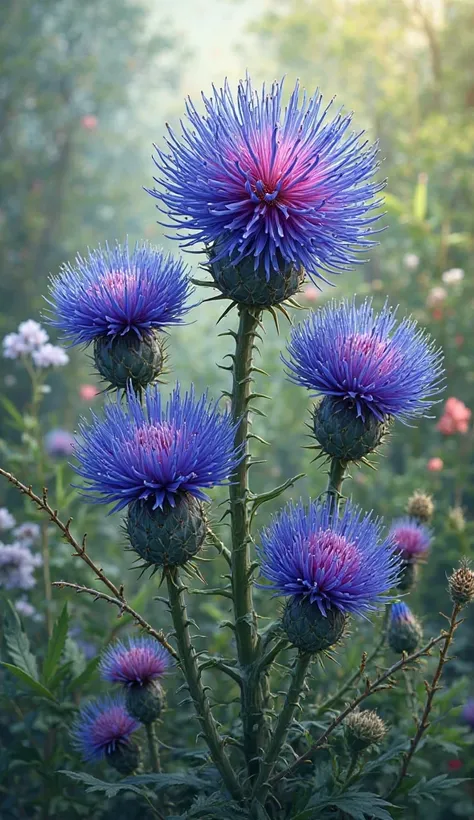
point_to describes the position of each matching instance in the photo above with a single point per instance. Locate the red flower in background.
(435, 465)
(89, 122)
(88, 392)
(455, 418)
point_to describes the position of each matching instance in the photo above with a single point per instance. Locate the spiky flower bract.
(101, 726)
(412, 538)
(404, 629)
(366, 359)
(134, 663)
(340, 563)
(155, 451)
(113, 292)
(276, 185)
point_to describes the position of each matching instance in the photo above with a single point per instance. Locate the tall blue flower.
(157, 451)
(333, 562)
(279, 186)
(366, 360)
(102, 727)
(113, 292)
(136, 663)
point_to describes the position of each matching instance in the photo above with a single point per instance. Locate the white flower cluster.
(32, 340)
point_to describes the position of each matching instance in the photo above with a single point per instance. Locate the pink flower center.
(409, 540)
(365, 348)
(331, 560)
(157, 438)
(111, 726)
(115, 284)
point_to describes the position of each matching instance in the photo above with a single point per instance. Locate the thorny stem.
(246, 633)
(336, 477)
(291, 704)
(431, 688)
(80, 551)
(383, 681)
(192, 673)
(152, 748)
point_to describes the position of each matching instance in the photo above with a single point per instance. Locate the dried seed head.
(420, 506)
(363, 728)
(461, 584)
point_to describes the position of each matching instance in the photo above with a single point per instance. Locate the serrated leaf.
(428, 789)
(18, 644)
(56, 645)
(166, 781)
(34, 684)
(93, 784)
(215, 807)
(356, 804)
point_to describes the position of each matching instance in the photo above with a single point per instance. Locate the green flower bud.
(170, 536)
(125, 758)
(144, 703)
(363, 729)
(130, 358)
(420, 506)
(344, 435)
(308, 629)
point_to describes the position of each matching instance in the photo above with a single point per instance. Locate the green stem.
(292, 699)
(246, 633)
(189, 665)
(351, 769)
(336, 477)
(152, 748)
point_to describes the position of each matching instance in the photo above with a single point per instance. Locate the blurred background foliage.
(84, 91)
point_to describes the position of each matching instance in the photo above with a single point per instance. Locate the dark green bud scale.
(167, 537)
(363, 729)
(409, 571)
(125, 757)
(461, 585)
(405, 635)
(247, 286)
(344, 435)
(129, 358)
(308, 629)
(144, 703)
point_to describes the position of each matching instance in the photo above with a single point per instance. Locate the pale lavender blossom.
(453, 276)
(27, 610)
(7, 520)
(13, 346)
(59, 443)
(27, 534)
(50, 356)
(32, 334)
(17, 566)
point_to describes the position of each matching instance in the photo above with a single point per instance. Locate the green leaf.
(34, 684)
(262, 498)
(356, 804)
(84, 677)
(420, 199)
(56, 645)
(95, 785)
(18, 644)
(428, 789)
(159, 781)
(215, 807)
(12, 411)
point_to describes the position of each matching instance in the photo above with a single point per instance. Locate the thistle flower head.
(420, 506)
(113, 292)
(137, 662)
(101, 727)
(468, 712)
(364, 728)
(411, 538)
(155, 451)
(334, 562)
(461, 584)
(278, 185)
(404, 630)
(366, 359)
(59, 443)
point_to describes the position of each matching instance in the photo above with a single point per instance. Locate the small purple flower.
(59, 443)
(400, 612)
(279, 185)
(113, 292)
(17, 566)
(411, 538)
(7, 520)
(468, 712)
(140, 661)
(154, 450)
(334, 562)
(102, 726)
(367, 359)
(50, 356)
(28, 533)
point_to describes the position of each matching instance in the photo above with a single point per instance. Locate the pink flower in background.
(89, 122)
(455, 418)
(435, 465)
(88, 392)
(311, 293)
(459, 340)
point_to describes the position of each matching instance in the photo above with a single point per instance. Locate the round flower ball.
(368, 368)
(103, 730)
(157, 459)
(413, 540)
(271, 190)
(328, 567)
(120, 301)
(138, 665)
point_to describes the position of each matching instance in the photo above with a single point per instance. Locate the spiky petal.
(101, 727)
(412, 538)
(138, 661)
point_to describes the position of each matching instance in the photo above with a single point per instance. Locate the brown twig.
(382, 682)
(80, 551)
(431, 689)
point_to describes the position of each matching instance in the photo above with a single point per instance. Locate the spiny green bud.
(125, 757)
(308, 629)
(456, 519)
(409, 572)
(404, 631)
(245, 285)
(343, 434)
(170, 536)
(363, 729)
(461, 584)
(130, 358)
(144, 703)
(420, 506)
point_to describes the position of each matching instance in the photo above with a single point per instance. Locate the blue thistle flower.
(155, 452)
(113, 292)
(334, 563)
(278, 186)
(366, 360)
(404, 630)
(411, 538)
(102, 727)
(138, 662)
